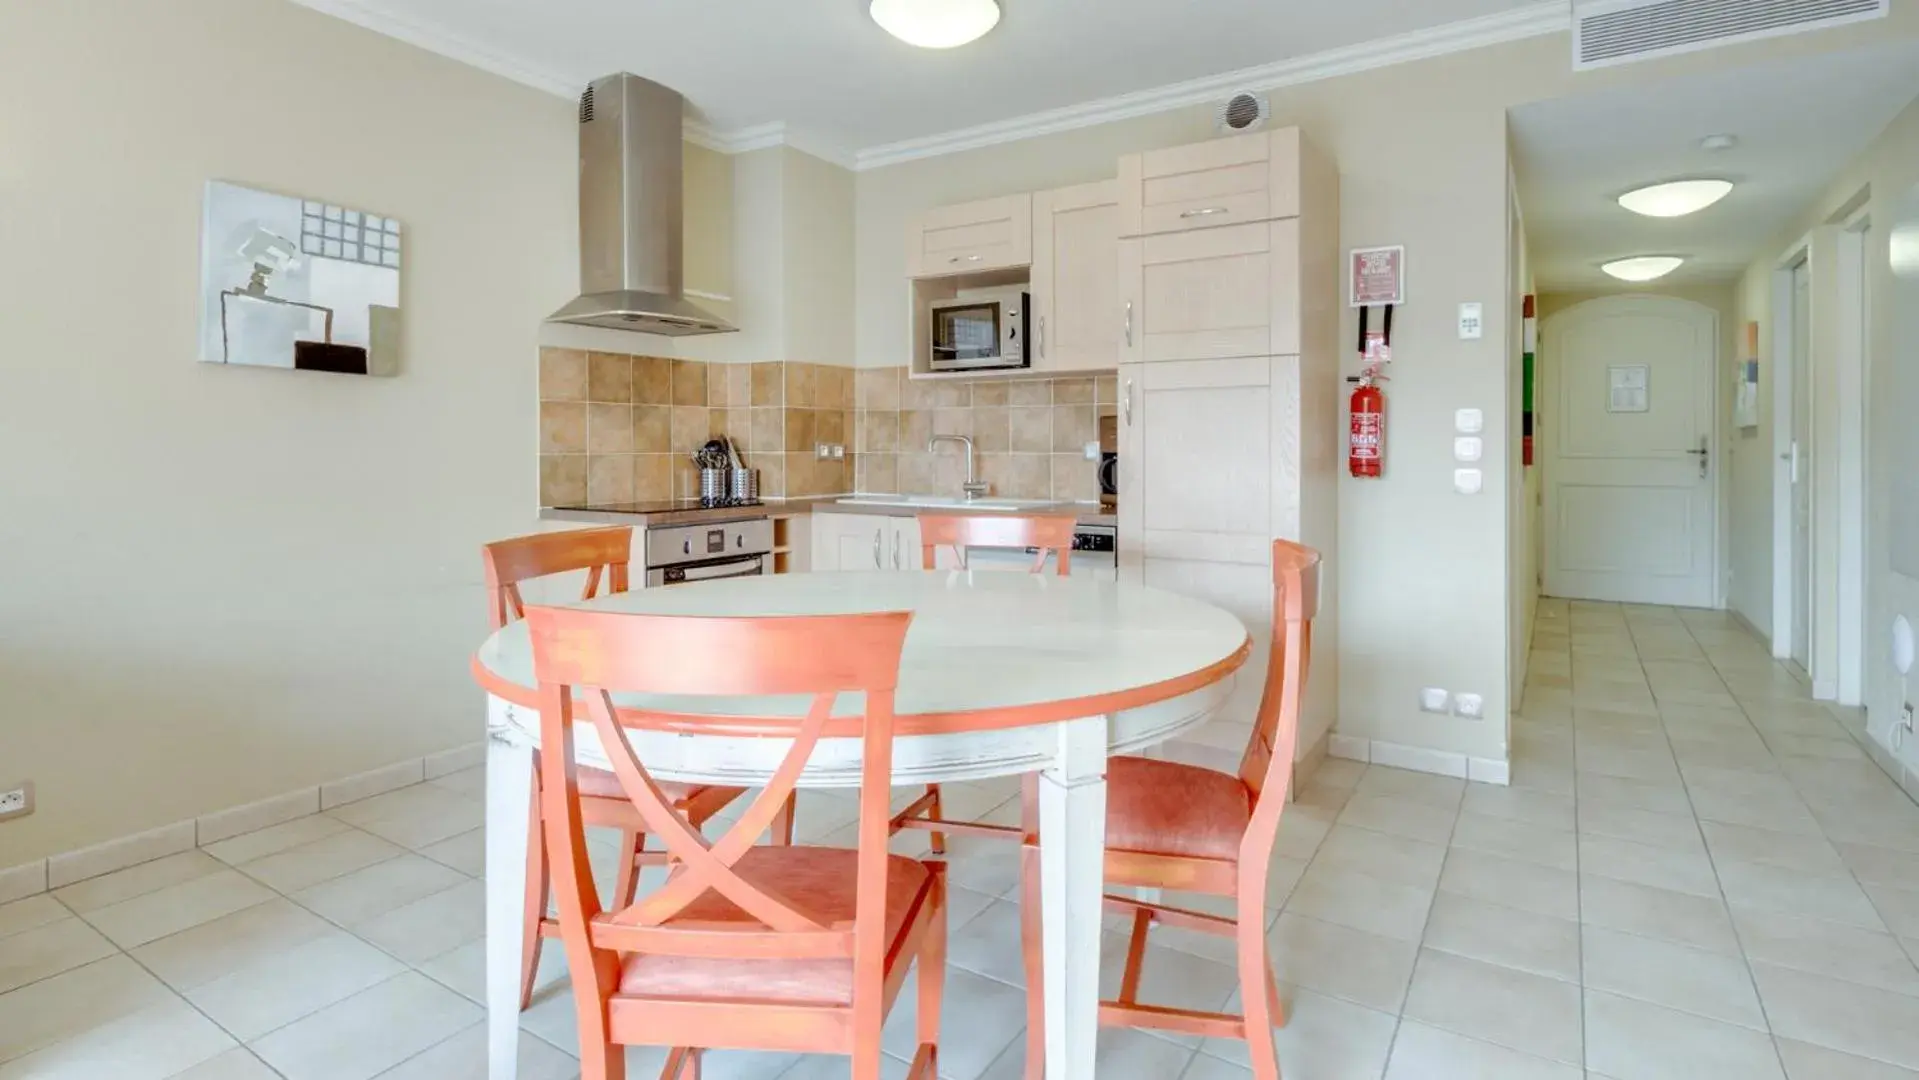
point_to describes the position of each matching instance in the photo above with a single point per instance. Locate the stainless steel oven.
(729, 549)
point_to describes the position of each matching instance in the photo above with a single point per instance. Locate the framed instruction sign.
(1376, 276)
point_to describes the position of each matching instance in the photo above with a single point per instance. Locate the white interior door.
(1630, 512)
(1799, 462)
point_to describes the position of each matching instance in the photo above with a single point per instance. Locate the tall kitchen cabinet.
(1229, 278)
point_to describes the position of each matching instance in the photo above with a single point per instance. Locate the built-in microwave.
(986, 329)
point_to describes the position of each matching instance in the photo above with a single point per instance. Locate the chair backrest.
(1044, 532)
(509, 562)
(1267, 767)
(583, 656)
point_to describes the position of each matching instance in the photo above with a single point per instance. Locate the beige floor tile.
(989, 944)
(1869, 957)
(277, 838)
(1899, 908)
(154, 915)
(464, 970)
(1540, 944)
(1682, 918)
(276, 990)
(1774, 888)
(1429, 1053)
(121, 885)
(1541, 776)
(463, 1057)
(1643, 864)
(430, 926)
(1515, 1009)
(1664, 796)
(1634, 1040)
(206, 952)
(1805, 1061)
(1519, 804)
(155, 1043)
(370, 1032)
(1332, 893)
(52, 1010)
(1443, 792)
(1792, 851)
(1878, 866)
(366, 894)
(1840, 1015)
(996, 1012)
(306, 865)
(48, 950)
(1395, 858)
(1676, 976)
(236, 1064)
(31, 912)
(1323, 1036)
(1517, 840)
(1515, 883)
(1364, 968)
(1677, 831)
(1400, 816)
(1779, 813)
(465, 852)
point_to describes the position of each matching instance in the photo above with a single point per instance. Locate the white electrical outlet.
(839, 452)
(1469, 706)
(1434, 700)
(16, 800)
(822, 451)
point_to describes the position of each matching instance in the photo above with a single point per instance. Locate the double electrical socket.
(1443, 702)
(16, 800)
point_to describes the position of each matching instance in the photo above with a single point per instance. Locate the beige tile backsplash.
(622, 428)
(1029, 433)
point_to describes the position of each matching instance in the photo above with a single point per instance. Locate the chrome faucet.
(974, 487)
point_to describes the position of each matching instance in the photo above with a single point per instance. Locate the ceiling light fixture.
(1677, 199)
(1643, 267)
(936, 24)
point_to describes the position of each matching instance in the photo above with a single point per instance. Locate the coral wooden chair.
(605, 555)
(1191, 829)
(794, 949)
(1049, 534)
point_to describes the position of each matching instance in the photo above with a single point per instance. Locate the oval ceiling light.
(1677, 199)
(1643, 267)
(936, 24)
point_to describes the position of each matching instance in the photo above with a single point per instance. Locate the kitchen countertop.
(652, 514)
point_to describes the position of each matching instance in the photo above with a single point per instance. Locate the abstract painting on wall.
(298, 283)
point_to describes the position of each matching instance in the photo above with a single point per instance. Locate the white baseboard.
(66, 868)
(1825, 690)
(1420, 759)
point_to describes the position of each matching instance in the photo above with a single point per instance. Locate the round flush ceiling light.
(936, 24)
(1643, 267)
(1677, 199)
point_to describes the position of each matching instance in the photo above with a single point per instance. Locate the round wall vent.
(1243, 112)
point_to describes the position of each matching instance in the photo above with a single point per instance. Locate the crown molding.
(766, 136)
(1534, 20)
(438, 39)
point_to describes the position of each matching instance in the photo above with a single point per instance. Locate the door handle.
(1126, 405)
(1704, 453)
(1791, 458)
(1040, 338)
(879, 560)
(1129, 323)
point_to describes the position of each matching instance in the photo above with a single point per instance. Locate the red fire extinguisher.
(1366, 451)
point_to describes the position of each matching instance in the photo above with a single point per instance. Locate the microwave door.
(966, 334)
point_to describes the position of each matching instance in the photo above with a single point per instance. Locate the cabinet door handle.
(965, 258)
(1206, 211)
(1040, 339)
(1129, 323)
(896, 551)
(879, 562)
(1127, 404)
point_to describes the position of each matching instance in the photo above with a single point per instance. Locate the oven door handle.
(731, 568)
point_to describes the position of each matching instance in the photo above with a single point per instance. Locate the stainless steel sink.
(945, 502)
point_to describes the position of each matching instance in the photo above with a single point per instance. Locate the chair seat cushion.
(1166, 808)
(602, 784)
(818, 881)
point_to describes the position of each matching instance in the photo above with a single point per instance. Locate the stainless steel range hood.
(631, 213)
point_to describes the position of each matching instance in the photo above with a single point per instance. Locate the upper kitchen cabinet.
(1209, 294)
(1075, 283)
(991, 234)
(1223, 182)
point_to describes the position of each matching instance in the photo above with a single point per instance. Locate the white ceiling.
(1799, 122)
(834, 79)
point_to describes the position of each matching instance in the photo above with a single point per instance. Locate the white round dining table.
(1002, 673)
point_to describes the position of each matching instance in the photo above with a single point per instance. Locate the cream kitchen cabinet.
(992, 234)
(1222, 182)
(1211, 293)
(865, 542)
(1075, 283)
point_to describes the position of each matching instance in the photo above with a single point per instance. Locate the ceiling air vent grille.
(1608, 32)
(586, 106)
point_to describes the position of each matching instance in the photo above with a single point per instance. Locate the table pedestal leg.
(509, 794)
(1072, 820)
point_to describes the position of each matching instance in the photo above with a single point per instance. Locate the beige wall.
(1885, 173)
(225, 584)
